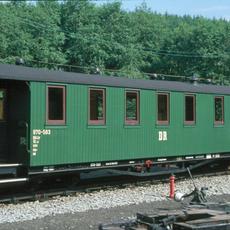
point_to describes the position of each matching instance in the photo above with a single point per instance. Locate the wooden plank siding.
(79, 142)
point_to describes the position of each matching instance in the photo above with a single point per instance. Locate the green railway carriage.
(52, 120)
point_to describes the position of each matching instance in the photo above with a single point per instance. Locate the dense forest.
(84, 37)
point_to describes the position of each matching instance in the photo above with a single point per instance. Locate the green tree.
(32, 32)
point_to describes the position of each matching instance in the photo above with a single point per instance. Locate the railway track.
(48, 191)
(122, 193)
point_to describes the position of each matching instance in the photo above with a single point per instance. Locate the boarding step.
(15, 169)
(13, 180)
(9, 165)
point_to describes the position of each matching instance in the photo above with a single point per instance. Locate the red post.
(172, 186)
(148, 164)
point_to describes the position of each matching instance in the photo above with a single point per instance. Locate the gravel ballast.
(107, 199)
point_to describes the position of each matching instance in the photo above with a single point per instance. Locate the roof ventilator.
(19, 61)
(194, 79)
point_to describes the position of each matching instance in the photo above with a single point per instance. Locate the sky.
(207, 8)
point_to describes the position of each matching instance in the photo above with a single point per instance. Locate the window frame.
(4, 106)
(193, 122)
(56, 122)
(137, 121)
(166, 122)
(222, 103)
(97, 122)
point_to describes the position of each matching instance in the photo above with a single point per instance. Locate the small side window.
(163, 108)
(2, 105)
(96, 106)
(132, 113)
(190, 109)
(56, 105)
(219, 110)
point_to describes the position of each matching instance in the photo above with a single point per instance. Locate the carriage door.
(3, 127)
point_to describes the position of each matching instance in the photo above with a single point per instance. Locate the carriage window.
(163, 108)
(97, 106)
(2, 102)
(132, 108)
(190, 109)
(56, 105)
(219, 110)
